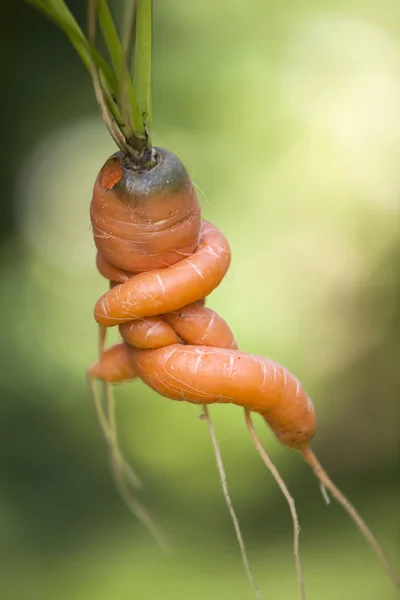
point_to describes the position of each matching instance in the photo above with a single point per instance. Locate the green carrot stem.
(135, 125)
(143, 50)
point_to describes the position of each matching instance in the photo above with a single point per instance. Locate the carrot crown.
(124, 99)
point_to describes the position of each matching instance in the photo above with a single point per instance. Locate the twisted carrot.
(139, 225)
(162, 261)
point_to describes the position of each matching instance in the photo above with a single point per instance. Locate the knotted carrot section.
(164, 290)
(178, 347)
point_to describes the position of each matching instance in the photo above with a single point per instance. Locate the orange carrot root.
(312, 460)
(222, 475)
(162, 260)
(296, 527)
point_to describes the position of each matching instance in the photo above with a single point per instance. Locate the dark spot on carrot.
(111, 173)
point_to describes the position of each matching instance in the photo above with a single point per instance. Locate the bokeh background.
(287, 116)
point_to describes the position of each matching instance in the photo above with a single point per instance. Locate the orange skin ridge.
(153, 244)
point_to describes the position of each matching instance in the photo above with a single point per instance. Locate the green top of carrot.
(125, 103)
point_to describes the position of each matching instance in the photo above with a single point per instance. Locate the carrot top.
(124, 98)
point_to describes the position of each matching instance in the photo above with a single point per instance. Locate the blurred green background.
(287, 116)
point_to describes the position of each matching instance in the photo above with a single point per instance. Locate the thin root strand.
(314, 463)
(275, 473)
(123, 475)
(222, 475)
(109, 432)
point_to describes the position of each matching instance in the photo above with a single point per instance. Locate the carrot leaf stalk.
(133, 122)
(125, 103)
(143, 49)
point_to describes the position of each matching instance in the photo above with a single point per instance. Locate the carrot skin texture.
(193, 324)
(164, 290)
(114, 366)
(149, 333)
(200, 326)
(208, 375)
(110, 272)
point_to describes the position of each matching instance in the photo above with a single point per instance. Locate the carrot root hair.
(107, 420)
(325, 480)
(109, 432)
(124, 477)
(275, 473)
(235, 521)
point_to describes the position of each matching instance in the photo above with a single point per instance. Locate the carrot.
(190, 354)
(147, 224)
(162, 260)
(177, 362)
